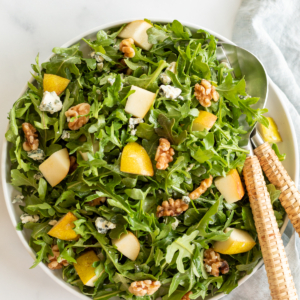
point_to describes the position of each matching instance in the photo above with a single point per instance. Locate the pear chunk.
(137, 30)
(135, 160)
(63, 229)
(205, 120)
(54, 83)
(270, 134)
(128, 245)
(139, 103)
(230, 186)
(239, 241)
(56, 167)
(84, 268)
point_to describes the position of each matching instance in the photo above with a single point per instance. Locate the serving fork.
(245, 64)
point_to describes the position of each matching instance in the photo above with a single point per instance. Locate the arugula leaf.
(64, 62)
(282, 156)
(274, 193)
(156, 35)
(42, 254)
(185, 248)
(19, 179)
(167, 130)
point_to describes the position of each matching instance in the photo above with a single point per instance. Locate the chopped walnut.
(187, 296)
(205, 92)
(205, 184)
(79, 112)
(54, 264)
(145, 287)
(164, 154)
(31, 143)
(73, 164)
(214, 263)
(126, 48)
(97, 201)
(171, 208)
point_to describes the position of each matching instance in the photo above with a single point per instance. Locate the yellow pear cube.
(63, 230)
(270, 134)
(230, 186)
(56, 167)
(128, 245)
(240, 241)
(205, 120)
(54, 83)
(84, 268)
(137, 30)
(139, 103)
(135, 160)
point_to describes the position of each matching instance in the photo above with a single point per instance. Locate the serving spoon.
(245, 64)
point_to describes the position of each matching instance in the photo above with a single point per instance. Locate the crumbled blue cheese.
(103, 225)
(186, 199)
(50, 102)
(169, 92)
(132, 123)
(18, 199)
(133, 132)
(111, 81)
(65, 134)
(53, 222)
(97, 56)
(164, 78)
(38, 176)
(175, 224)
(208, 268)
(100, 66)
(25, 218)
(135, 121)
(37, 154)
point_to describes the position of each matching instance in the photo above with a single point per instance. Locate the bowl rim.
(76, 39)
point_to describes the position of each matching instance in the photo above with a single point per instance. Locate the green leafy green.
(171, 247)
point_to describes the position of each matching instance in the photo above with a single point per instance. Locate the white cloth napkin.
(271, 30)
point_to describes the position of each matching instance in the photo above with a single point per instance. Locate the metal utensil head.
(247, 65)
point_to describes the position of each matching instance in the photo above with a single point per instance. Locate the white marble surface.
(35, 26)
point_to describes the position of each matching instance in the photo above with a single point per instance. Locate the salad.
(127, 165)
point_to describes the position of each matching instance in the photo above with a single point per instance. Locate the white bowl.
(277, 110)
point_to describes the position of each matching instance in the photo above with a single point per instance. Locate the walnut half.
(31, 143)
(54, 264)
(205, 184)
(214, 264)
(171, 208)
(205, 93)
(97, 201)
(145, 287)
(80, 114)
(73, 164)
(126, 48)
(164, 154)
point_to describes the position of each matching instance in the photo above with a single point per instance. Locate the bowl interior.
(277, 110)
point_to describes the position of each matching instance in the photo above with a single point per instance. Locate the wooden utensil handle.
(279, 276)
(276, 173)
